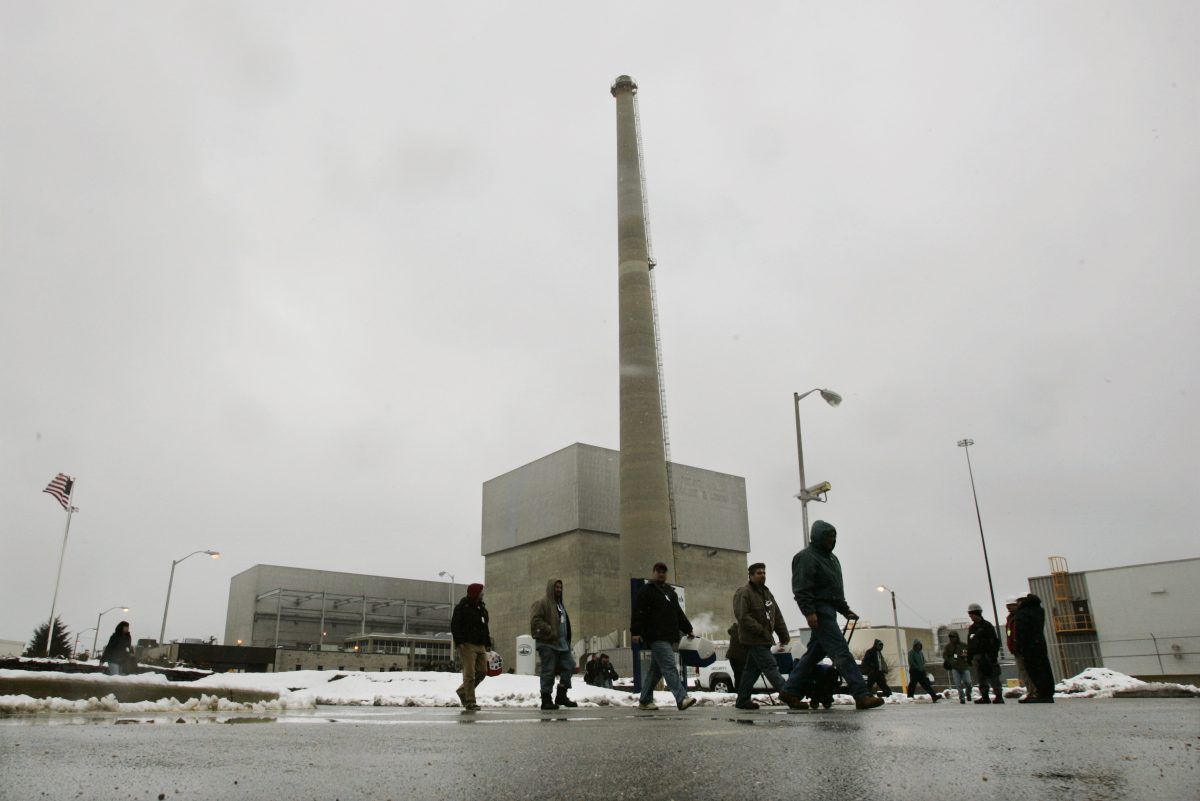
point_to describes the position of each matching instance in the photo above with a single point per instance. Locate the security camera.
(815, 493)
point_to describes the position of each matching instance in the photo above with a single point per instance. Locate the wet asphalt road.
(1095, 749)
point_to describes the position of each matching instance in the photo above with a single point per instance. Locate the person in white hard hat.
(983, 646)
(1010, 639)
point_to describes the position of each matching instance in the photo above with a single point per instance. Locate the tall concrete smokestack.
(645, 505)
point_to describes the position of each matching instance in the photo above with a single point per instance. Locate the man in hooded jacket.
(916, 666)
(1029, 624)
(875, 669)
(469, 627)
(817, 588)
(550, 625)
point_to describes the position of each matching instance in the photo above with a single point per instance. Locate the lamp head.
(214, 554)
(124, 608)
(881, 588)
(831, 397)
(964, 443)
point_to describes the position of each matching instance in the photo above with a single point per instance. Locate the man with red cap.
(469, 626)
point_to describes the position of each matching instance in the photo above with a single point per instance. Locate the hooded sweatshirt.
(545, 617)
(817, 573)
(916, 657)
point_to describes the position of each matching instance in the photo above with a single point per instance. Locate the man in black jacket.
(469, 627)
(1029, 623)
(875, 669)
(656, 624)
(983, 647)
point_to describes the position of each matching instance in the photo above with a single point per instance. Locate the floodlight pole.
(966, 444)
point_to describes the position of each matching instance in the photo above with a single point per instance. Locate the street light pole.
(896, 628)
(162, 632)
(96, 638)
(833, 399)
(75, 647)
(443, 574)
(966, 444)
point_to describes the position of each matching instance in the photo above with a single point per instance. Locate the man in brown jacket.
(759, 620)
(550, 625)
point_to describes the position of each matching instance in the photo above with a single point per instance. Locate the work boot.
(747, 705)
(687, 702)
(793, 701)
(462, 696)
(984, 700)
(649, 706)
(868, 702)
(999, 699)
(547, 703)
(562, 700)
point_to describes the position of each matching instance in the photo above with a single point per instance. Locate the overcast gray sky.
(291, 280)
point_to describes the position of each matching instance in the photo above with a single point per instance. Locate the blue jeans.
(663, 665)
(962, 680)
(554, 661)
(759, 662)
(827, 640)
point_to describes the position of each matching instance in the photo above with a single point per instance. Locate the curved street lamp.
(896, 627)
(163, 631)
(817, 491)
(96, 638)
(444, 574)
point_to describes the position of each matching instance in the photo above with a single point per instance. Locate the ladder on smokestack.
(662, 384)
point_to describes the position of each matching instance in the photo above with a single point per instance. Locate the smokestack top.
(623, 82)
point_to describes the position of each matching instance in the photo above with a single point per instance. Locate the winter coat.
(873, 660)
(916, 657)
(470, 624)
(758, 616)
(1029, 624)
(119, 648)
(982, 640)
(543, 618)
(735, 650)
(955, 653)
(657, 615)
(817, 573)
(1010, 633)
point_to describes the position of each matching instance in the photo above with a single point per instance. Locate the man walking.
(983, 647)
(916, 666)
(817, 588)
(656, 624)
(469, 628)
(550, 625)
(759, 621)
(958, 665)
(875, 669)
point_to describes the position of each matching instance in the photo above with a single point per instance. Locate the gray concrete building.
(403, 621)
(1139, 620)
(559, 517)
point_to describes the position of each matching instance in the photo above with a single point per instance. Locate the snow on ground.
(1102, 683)
(305, 689)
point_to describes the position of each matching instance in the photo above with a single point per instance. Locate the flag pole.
(62, 554)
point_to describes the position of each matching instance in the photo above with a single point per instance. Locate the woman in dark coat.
(119, 651)
(1029, 621)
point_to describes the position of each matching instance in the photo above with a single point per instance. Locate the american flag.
(60, 488)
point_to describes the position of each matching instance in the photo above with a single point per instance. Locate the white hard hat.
(975, 608)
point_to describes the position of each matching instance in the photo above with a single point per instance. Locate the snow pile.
(24, 704)
(1104, 683)
(403, 688)
(52, 675)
